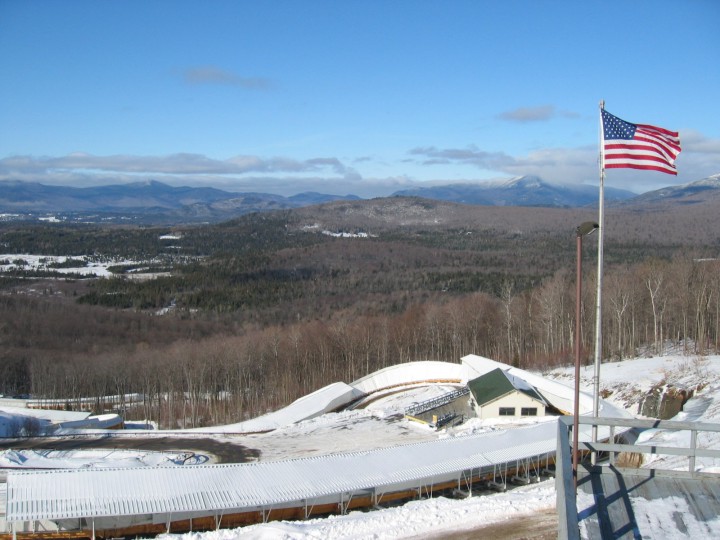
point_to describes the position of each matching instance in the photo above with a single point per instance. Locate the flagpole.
(598, 312)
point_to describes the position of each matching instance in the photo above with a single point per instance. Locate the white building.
(498, 394)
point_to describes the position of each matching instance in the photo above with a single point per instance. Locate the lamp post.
(583, 229)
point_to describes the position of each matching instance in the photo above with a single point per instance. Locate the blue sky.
(351, 96)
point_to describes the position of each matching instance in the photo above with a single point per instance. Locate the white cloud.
(470, 155)
(695, 142)
(699, 159)
(177, 164)
(279, 175)
(539, 113)
(215, 75)
(529, 114)
(554, 164)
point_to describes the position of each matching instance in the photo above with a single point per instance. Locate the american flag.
(638, 146)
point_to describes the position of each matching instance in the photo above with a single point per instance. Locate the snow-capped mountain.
(694, 192)
(520, 191)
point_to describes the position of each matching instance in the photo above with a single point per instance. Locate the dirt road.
(541, 526)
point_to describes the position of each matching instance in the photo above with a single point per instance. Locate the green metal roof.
(498, 383)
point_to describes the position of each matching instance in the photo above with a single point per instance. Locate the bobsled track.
(145, 501)
(124, 502)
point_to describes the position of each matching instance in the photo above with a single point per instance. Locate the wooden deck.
(619, 499)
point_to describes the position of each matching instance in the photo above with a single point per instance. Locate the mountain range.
(522, 191)
(153, 201)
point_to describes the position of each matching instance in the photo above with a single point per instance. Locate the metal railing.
(564, 482)
(433, 403)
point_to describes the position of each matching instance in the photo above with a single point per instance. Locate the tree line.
(199, 371)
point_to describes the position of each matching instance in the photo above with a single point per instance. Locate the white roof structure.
(85, 493)
(408, 373)
(60, 419)
(339, 394)
(50, 415)
(326, 399)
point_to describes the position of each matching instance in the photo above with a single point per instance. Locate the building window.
(507, 411)
(528, 411)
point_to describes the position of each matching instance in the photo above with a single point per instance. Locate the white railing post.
(693, 447)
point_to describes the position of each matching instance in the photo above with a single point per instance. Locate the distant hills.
(153, 200)
(522, 191)
(156, 202)
(701, 191)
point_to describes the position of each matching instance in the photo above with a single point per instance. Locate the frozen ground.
(71, 459)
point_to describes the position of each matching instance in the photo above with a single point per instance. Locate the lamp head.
(586, 228)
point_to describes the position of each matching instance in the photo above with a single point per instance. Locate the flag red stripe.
(667, 148)
(661, 130)
(637, 157)
(646, 167)
(658, 136)
(670, 145)
(640, 148)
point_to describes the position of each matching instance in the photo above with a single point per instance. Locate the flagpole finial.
(602, 104)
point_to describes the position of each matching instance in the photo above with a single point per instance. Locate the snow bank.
(416, 519)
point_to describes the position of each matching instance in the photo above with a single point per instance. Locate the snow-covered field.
(623, 384)
(81, 265)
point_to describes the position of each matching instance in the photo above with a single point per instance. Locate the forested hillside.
(245, 316)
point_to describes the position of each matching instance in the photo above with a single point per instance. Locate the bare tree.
(654, 277)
